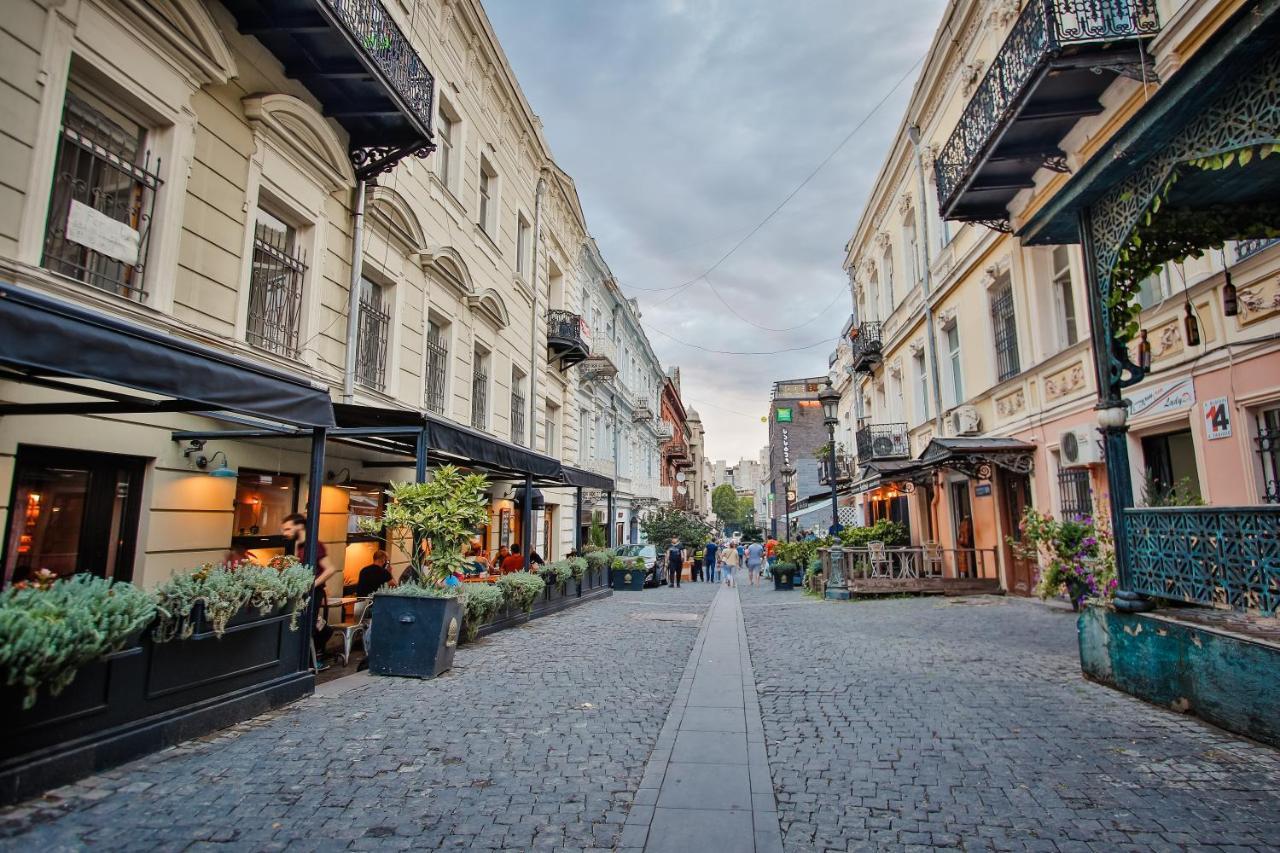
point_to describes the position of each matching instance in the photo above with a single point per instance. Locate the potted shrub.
(598, 563)
(521, 590)
(480, 601)
(208, 600)
(416, 625)
(626, 574)
(578, 567)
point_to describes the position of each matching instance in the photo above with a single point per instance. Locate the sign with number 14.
(1217, 418)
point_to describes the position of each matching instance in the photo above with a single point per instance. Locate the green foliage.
(1182, 493)
(886, 531)
(1074, 555)
(418, 590)
(724, 503)
(479, 602)
(668, 521)
(596, 534)
(597, 559)
(522, 589)
(49, 629)
(559, 572)
(578, 566)
(224, 590)
(617, 563)
(801, 552)
(444, 511)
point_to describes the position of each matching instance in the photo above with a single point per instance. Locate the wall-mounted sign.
(95, 230)
(784, 416)
(504, 527)
(1217, 418)
(982, 490)
(1169, 397)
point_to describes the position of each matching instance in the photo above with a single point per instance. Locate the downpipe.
(353, 295)
(926, 283)
(533, 319)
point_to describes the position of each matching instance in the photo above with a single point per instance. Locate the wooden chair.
(881, 562)
(933, 559)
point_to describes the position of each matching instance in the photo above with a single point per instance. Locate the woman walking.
(755, 562)
(729, 562)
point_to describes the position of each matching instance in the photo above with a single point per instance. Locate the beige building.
(192, 169)
(967, 370)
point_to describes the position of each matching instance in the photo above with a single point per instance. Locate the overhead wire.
(669, 336)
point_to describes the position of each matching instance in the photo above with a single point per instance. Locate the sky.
(684, 123)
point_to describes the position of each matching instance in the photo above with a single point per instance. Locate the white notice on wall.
(1217, 418)
(106, 236)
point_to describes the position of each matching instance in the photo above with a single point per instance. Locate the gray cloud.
(684, 122)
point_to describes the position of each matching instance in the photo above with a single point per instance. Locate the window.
(73, 512)
(1268, 444)
(518, 403)
(1064, 298)
(1169, 463)
(921, 388)
(886, 276)
(523, 244)
(940, 228)
(955, 388)
(437, 365)
(262, 501)
(1074, 493)
(104, 186)
(480, 388)
(488, 182)
(372, 328)
(275, 286)
(911, 248)
(1154, 288)
(1004, 325)
(446, 132)
(551, 430)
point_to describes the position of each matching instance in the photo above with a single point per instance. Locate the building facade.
(797, 436)
(674, 435)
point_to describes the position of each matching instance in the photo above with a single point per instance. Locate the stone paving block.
(685, 830)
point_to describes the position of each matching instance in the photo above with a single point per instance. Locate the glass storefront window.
(262, 502)
(364, 500)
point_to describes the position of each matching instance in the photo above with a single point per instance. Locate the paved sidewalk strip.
(707, 783)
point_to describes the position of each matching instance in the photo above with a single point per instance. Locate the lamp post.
(830, 399)
(788, 480)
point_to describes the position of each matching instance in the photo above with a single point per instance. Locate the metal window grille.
(97, 168)
(275, 291)
(1006, 332)
(373, 326)
(517, 413)
(479, 395)
(1268, 444)
(437, 359)
(1073, 492)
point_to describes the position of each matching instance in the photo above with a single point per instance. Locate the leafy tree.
(668, 521)
(746, 509)
(596, 534)
(724, 503)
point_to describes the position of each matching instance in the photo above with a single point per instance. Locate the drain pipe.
(926, 284)
(353, 295)
(533, 321)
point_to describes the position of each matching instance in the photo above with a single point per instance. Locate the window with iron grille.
(1073, 492)
(1006, 332)
(1268, 444)
(1064, 297)
(517, 407)
(373, 328)
(275, 287)
(437, 364)
(104, 187)
(480, 389)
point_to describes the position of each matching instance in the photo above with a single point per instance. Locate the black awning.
(586, 479)
(45, 337)
(539, 500)
(976, 455)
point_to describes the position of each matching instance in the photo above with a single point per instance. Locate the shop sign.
(1169, 397)
(784, 416)
(504, 527)
(95, 230)
(982, 490)
(1217, 418)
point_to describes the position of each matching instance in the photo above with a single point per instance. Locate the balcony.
(665, 431)
(641, 411)
(882, 441)
(1059, 58)
(360, 66)
(601, 365)
(865, 341)
(567, 338)
(677, 453)
(844, 469)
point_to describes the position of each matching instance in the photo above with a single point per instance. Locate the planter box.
(784, 580)
(414, 637)
(149, 697)
(622, 580)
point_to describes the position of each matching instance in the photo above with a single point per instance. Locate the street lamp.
(830, 399)
(788, 481)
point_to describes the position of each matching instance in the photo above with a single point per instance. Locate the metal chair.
(361, 612)
(933, 559)
(881, 562)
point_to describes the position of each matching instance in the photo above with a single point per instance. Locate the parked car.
(654, 572)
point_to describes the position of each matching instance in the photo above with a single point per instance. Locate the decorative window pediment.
(447, 266)
(303, 133)
(391, 211)
(187, 32)
(490, 306)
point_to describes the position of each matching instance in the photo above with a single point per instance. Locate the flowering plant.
(1075, 555)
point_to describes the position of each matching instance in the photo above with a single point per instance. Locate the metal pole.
(835, 504)
(315, 483)
(526, 521)
(420, 456)
(786, 501)
(577, 520)
(926, 284)
(608, 521)
(353, 295)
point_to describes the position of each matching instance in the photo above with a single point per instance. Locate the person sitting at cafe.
(495, 565)
(535, 561)
(513, 562)
(374, 576)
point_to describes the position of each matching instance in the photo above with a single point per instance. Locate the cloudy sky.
(684, 124)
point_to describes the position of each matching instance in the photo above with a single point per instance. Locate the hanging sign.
(1217, 418)
(1169, 397)
(784, 416)
(95, 230)
(982, 490)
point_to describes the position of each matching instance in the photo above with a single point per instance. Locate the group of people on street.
(720, 558)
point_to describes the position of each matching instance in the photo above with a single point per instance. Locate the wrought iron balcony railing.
(567, 337)
(867, 350)
(641, 411)
(844, 469)
(882, 441)
(665, 430)
(1245, 248)
(1045, 32)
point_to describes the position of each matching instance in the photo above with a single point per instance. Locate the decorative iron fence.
(1245, 248)
(437, 361)
(882, 441)
(399, 64)
(1207, 555)
(1043, 29)
(866, 346)
(566, 326)
(101, 205)
(371, 341)
(275, 292)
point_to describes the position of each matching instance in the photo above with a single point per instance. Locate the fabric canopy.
(45, 337)
(586, 479)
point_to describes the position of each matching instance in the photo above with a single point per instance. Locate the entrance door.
(1170, 466)
(1015, 490)
(72, 512)
(962, 530)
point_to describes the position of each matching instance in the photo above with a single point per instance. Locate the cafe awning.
(977, 456)
(45, 341)
(585, 479)
(884, 472)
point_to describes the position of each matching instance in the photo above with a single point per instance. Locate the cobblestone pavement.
(536, 740)
(965, 724)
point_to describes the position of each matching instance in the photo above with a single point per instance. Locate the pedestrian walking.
(709, 560)
(675, 558)
(294, 529)
(755, 562)
(729, 563)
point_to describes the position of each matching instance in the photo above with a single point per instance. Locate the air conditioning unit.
(1077, 447)
(965, 421)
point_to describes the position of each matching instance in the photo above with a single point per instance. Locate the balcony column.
(577, 520)
(608, 522)
(526, 523)
(311, 548)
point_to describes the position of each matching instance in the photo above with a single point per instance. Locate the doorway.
(72, 512)
(962, 529)
(1016, 492)
(1169, 462)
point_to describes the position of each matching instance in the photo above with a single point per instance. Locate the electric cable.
(740, 352)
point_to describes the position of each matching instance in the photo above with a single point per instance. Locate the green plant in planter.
(284, 582)
(479, 602)
(1074, 555)
(559, 572)
(578, 566)
(444, 511)
(522, 589)
(617, 563)
(218, 588)
(597, 560)
(50, 628)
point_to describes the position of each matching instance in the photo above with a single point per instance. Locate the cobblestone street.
(965, 723)
(898, 724)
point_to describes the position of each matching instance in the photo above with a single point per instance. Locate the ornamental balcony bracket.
(1058, 59)
(357, 62)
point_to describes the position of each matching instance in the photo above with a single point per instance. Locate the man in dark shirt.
(294, 528)
(709, 560)
(374, 576)
(675, 562)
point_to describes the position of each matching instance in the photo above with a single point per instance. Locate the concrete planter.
(784, 578)
(414, 637)
(1228, 679)
(627, 580)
